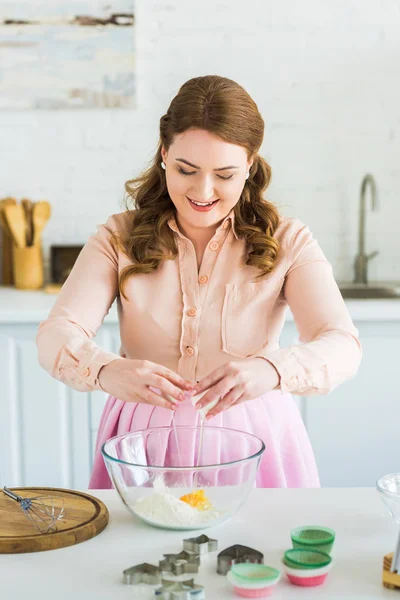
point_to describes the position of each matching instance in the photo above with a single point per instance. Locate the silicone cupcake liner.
(294, 565)
(306, 572)
(306, 559)
(313, 537)
(250, 592)
(250, 576)
(307, 577)
(307, 581)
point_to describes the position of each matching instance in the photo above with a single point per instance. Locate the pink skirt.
(288, 460)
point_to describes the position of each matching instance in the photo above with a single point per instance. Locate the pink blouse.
(194, 321)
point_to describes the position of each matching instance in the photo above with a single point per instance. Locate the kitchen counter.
(93, 569)
(20, 306)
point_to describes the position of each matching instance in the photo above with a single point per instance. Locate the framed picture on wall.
(69, 54)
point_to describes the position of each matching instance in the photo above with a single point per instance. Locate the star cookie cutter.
(143, 573)
(179, 590)
(200, 545)
(180, 564)
(237, 554)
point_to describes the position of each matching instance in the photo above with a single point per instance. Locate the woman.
(203, 269)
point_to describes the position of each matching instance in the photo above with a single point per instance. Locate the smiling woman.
(208, 149)
(203, 268)
(205, 189)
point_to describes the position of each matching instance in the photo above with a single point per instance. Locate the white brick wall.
(325, 75)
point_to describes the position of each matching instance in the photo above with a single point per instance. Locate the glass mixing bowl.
(388, 487)
(183, 477)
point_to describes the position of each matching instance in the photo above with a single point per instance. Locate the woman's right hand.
(131, 380)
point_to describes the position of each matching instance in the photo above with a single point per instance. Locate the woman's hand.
(236, 382)
(131, 380)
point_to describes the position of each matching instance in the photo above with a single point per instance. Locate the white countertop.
(18, 306)
(93, 569)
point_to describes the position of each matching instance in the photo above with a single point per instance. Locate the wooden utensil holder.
(28, 267)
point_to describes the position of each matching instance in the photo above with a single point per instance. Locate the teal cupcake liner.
(313, 537)
(255, 573)
(300, 558)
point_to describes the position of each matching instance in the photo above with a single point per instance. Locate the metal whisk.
(40, 511)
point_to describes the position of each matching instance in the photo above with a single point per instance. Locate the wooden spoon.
(41, 214)
(3, 222)
(7, 258)
(27, 205)
(16, 223)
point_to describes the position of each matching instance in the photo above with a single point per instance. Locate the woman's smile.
(202, 206)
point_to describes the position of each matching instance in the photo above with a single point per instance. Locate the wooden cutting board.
(85, 517)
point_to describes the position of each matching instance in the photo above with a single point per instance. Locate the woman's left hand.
(236, 382)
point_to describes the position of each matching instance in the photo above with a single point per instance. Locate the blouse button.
(214, 246)
(203, 279)
(86, 372)
(191, 312)
(189, 351)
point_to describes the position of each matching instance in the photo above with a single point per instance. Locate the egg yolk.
(197, 499)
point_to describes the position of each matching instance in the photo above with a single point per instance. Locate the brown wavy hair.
(222, 107)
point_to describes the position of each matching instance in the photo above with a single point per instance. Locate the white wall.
(325, 75)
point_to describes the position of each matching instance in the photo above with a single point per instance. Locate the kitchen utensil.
(390, 580)
(179, 590)
(41, 214)
(151, 477)
(7, 244)
(28, 267)
(41, 511)
(84, 517)
(253, 580)
(27, 205)
(388, 487)
(15, 218)
(307, 577)
(299, 558)
(181, 563)
(313, 537)
(237, 554)
(143, 573)
(200, 545)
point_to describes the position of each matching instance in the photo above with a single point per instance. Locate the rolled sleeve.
(64, 340)
(80, 367)
(296, 377)
(329, 352)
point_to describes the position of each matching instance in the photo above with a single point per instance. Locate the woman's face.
(205, 177)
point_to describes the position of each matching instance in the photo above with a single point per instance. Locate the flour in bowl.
(165, 510)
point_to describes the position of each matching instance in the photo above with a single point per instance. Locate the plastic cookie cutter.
(143, 573)
(180, 564)
(179, 590)
(237, 554)
(200, 545)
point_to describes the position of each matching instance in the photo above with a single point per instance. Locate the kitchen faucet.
(361, 261)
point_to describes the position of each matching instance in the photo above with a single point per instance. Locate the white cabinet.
(355, 430)
(48, 431)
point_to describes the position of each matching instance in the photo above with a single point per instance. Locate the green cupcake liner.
(300, 558)
(255, 572)
(313, 537)
(313, 534)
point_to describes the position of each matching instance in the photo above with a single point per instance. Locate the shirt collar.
(229, 219)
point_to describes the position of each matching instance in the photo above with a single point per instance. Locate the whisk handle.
(11, 494)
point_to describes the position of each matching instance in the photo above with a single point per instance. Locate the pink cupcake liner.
(251, 591)
(254, 593)
(306, 572)
(307, 581)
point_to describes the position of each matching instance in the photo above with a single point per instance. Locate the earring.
(247, 174)
(163, 165)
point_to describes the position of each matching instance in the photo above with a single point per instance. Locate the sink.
(377, 289)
